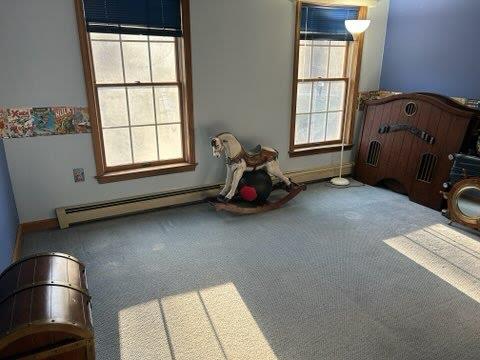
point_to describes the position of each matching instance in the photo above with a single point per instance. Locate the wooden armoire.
(406, 140)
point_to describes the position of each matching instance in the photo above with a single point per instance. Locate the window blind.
(326, 22)
(369, 3)
(147, 17)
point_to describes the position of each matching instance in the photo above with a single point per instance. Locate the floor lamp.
(355, 27)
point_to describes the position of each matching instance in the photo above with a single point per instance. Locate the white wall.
(242, 54)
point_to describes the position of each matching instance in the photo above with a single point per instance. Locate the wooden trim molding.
(296, 55)
(47, 224)
(89, 86)
(107, 174)
(17, 250)
(26, 228)
(353, 69)
(146, 172)
(324, 149)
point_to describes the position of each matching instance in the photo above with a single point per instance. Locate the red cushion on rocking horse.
(248, 193)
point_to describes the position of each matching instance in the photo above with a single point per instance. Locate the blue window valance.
(147, 17)
(326, 22)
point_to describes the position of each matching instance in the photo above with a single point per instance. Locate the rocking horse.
(238, 162)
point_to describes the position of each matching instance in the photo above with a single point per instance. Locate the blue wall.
(433, 45)
(8, 213)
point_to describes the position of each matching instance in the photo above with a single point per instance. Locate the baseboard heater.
(91, 212)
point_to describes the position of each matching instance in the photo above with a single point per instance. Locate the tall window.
(326, 68)
(137, 66)
(321, 103)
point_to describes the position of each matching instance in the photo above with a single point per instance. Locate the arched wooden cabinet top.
(444, 102)
(416, 133)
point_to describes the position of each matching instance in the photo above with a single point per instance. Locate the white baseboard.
(320, 173)
(90, 212)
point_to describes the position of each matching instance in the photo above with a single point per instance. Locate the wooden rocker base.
(245, 208)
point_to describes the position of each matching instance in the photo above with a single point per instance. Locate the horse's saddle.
(255, 157)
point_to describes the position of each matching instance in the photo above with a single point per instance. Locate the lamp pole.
(355, 27)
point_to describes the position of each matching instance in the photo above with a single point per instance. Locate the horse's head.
(225, 143)
(217, 146)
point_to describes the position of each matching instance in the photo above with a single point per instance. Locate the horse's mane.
(225, 133)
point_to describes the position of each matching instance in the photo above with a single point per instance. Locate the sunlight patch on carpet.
(142, 332)
(239, 334)
(191, 333)
(212, 323)
(449, 254)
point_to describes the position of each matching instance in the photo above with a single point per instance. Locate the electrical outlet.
(79, 175)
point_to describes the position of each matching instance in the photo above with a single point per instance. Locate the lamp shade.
(356, 27)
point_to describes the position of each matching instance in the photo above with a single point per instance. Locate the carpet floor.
(358, 273)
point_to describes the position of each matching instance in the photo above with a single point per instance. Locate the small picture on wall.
(79, 175)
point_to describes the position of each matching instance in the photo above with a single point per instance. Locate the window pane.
(321, 42)
(136, 61)
(337, 95)
(144, 144)
(334, 126)
(305, 42)
(161, 38)
(117, 146)
(104, 36)
(304, 62)
(317, 127)
(134, 37)
(337, 62)
(320, 62)
(304, 91)
(320, 93)
(113, 106)
(167, 104)
(107, 61)
(301, 129)
(170, 142)
(163, 62)
(140, 101)
(338, 43)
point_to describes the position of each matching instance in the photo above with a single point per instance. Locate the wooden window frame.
(353, 66)
(107, 174)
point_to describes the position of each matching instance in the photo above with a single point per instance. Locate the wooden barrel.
(45, 309)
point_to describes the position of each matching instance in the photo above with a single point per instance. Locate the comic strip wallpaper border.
(19, 122)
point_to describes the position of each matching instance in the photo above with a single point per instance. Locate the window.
(326, 71)
(139, 88)
(321, 103)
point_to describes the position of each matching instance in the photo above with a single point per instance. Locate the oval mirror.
(469, 202)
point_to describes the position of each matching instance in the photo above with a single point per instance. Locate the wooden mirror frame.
(454, 212)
